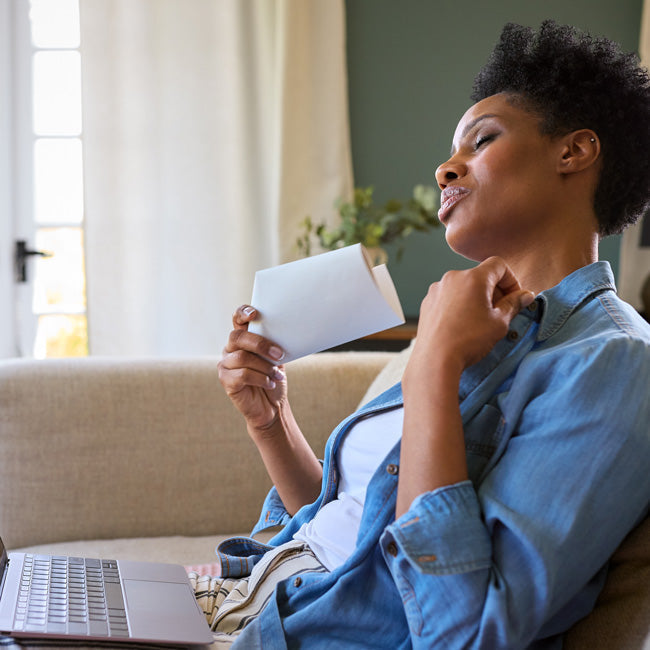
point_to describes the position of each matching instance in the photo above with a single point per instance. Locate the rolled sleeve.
(442, 533)
(273, 513)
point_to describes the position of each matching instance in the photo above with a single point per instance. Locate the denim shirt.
(558, 448)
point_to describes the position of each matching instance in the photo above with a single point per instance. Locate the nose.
(450, 170)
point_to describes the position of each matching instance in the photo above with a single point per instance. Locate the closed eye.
(483, 139)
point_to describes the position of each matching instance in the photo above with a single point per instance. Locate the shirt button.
(513, 335)
(391, 547)
(392, 469)
(533, 306)
(297, 582)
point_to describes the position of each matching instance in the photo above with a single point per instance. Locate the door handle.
(21, 253)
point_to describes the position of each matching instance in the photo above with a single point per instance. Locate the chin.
(471, 250)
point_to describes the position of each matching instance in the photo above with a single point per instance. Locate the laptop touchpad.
(162, 610)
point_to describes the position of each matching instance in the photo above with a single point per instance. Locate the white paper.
(318, 302)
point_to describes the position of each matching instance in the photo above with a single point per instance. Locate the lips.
(449, 198)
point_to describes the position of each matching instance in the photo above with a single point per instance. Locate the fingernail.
(249, 310)
(528, 299)
(277, 374)
(276, 353)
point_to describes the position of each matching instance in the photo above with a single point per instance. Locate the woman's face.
(501, 182)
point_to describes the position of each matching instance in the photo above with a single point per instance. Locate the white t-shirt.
(332, 533)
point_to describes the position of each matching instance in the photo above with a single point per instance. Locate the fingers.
(504, 288)
(243, 315)
(241, 339)
(499, 275)
(488, 296)
(249, 359)
(242, 369)
(240, 359)
(512, 303)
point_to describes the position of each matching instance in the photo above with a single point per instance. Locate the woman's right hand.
(250, 374)
(257, 386)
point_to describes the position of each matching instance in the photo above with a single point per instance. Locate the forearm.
(433, 446)
(433, 449)
(289, 461)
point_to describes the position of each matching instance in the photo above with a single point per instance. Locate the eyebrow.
(471, 125)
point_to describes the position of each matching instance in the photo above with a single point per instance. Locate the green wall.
(411, 64)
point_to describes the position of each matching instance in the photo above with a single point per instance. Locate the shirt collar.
(560, 301)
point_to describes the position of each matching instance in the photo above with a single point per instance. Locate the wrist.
(436, 371)
(274, 429)
(263, 432)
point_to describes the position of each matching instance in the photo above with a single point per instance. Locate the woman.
(477, 503)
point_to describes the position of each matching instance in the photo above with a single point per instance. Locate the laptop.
(69, 597)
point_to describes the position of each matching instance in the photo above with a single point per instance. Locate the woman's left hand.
(461, 319)
(467, 312)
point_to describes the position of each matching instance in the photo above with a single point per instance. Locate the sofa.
(132, 459)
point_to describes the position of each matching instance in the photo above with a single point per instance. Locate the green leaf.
(426, 196)
(362, 221)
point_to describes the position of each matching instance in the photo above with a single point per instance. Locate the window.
(59, 300)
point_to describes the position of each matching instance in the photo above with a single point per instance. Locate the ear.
(579, 150)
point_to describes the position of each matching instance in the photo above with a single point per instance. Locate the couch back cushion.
(103, 448)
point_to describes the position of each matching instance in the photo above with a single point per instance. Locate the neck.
(549, 263)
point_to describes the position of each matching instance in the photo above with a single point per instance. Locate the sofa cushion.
(153, 441)
(389, 375)
(175, 550)
(621, 618)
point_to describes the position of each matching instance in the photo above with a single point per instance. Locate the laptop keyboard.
(71, 595)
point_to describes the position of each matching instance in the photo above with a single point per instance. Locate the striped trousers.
(230, 604)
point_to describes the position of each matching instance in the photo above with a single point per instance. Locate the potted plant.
(373, 225)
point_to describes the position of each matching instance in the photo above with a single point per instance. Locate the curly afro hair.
(575, 81)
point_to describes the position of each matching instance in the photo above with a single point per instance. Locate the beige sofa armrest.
(105, 448)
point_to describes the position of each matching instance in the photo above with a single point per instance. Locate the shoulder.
(603, 323)
(611, 333)
(585, 305)
(600, 357)
(587, 385)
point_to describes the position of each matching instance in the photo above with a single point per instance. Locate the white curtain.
(211, 129)
(635, 261)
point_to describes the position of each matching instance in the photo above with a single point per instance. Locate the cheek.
(506, 165)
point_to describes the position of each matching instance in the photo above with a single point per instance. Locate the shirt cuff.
(442, 533)
(273, 513)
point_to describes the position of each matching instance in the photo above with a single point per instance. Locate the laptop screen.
(3, 563)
